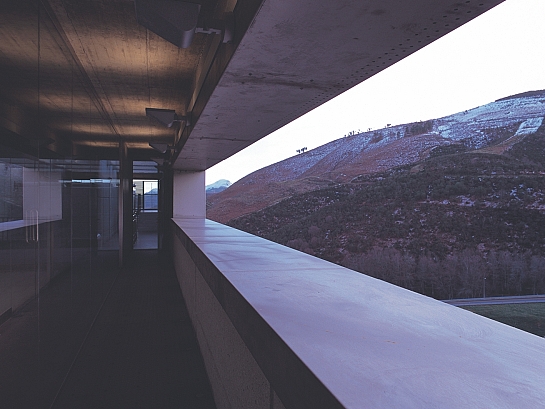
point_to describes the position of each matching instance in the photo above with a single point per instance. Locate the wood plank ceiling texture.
(287, 57)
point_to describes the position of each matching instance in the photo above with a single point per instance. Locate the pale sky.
(499, 53)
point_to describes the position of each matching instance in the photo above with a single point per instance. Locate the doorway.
(145, 213)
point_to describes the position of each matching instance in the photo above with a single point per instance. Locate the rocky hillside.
(493, 128)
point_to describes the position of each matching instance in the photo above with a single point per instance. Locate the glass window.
(145, 194)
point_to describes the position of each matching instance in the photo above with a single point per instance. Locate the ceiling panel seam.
(87, 82)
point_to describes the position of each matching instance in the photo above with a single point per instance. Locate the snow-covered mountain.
(217, 187)
(491, 128)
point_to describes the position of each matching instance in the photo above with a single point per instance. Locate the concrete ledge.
(279, 328)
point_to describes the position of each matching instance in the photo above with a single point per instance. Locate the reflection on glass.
(58, 213)
(11, 191)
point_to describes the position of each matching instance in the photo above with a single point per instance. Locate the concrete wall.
(237, 380)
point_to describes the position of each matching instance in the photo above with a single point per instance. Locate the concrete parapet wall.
(281, 329)
(236, 378)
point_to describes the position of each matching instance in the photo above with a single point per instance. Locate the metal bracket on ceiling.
(160, 147)
(167, 117)
(178, 21)
(225, 28)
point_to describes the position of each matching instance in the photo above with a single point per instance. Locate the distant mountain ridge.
(539, 93)
(217, 187)
(491, 128)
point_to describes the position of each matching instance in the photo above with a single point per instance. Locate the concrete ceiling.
(299, 54)
(99, 69)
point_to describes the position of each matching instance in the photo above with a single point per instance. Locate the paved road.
(521, 299)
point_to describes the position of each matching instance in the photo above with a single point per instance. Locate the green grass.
(527, 317)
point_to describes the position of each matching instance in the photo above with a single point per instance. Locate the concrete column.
(189, 197)
(165, 210)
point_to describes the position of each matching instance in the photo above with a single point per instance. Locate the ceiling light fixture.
(178, 21)
(167, 116)
(160, 147)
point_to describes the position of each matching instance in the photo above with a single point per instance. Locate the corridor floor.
(124, 343)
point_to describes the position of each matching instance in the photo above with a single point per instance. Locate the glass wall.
(145, 195)
(58, 212)
(145, 213)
